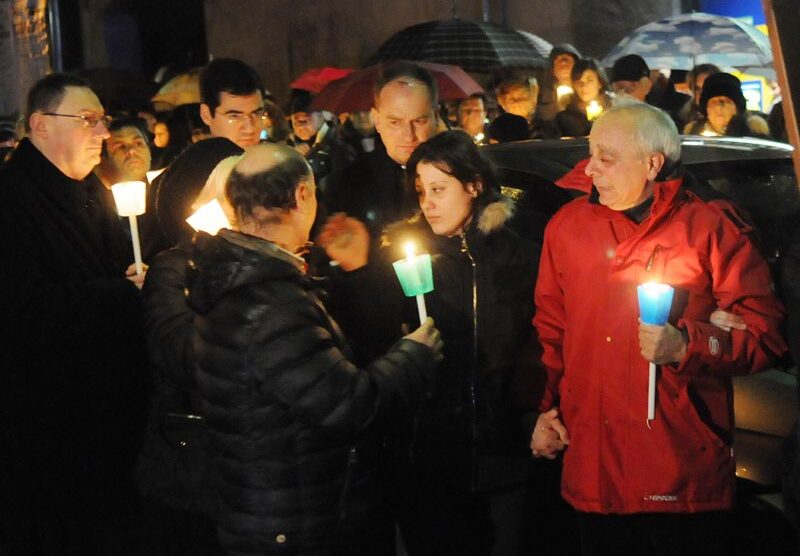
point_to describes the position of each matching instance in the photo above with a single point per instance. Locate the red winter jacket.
(587, 310)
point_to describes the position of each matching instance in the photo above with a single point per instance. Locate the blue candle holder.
(655, 301)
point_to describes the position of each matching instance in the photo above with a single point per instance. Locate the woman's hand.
(345, 240)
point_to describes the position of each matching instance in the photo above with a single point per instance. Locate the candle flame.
(563, 90)
(654, 288)
(410, 250)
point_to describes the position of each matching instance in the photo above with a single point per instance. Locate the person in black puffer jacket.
(462, 455)
(174, 473)
(295, 424)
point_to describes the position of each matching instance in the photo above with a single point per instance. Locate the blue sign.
(736, 8)
(753, 92)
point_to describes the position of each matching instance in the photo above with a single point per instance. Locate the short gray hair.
(654, 130)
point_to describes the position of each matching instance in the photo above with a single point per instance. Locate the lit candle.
(416, 277)
(563, 91)
(709, 133)
(129, 197)
(209, 218)
(655, 301)
(593, 110)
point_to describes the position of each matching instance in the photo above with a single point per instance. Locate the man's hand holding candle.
(428, 335)
(661, 344)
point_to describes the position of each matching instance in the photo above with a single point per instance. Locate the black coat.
(174, 465)
(469, 432)
(373, 190)
(291, 417)
(73, 361)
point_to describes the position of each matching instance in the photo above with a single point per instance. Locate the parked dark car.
(758, 175)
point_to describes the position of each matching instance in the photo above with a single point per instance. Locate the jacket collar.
(263, 246)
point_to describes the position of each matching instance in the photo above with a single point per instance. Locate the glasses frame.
(86, 120)
(238, 118)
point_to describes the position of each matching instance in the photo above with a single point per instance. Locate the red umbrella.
(315, 79)
(354, 92)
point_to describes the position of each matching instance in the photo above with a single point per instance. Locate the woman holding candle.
(460, 456)
(591, 98)
(174, 473)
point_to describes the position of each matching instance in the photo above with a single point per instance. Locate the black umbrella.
(476, 47)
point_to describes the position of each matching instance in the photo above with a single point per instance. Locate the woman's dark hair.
(590, 64)
(455, 154)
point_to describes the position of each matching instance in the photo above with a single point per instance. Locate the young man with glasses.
(232, 101)
(72, 390)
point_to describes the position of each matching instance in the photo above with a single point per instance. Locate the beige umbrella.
(181, 89)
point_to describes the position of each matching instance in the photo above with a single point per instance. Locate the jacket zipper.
(352, 459)
(473, 371)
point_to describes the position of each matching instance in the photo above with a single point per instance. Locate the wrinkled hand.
(428, 335)
(661, 344)
(549, 436)
(137, 279)
(345, 240)
(727, 321)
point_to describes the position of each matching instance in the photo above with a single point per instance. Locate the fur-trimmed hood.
(490, 219)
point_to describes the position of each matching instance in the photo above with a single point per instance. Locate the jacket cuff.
(707, 346)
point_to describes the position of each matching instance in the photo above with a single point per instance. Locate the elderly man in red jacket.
(641, 486)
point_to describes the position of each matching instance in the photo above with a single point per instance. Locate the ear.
(474, 188)
(205, 114)
(302, 195)
(647, 84)
(38, 123)
(655, 162)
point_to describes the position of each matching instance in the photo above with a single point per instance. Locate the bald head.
(264, 157)
(266, 179)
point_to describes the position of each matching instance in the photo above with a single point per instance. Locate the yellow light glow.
(410, 249)
(593, 110)
(129, 197)
(209, 218)
(563, 90)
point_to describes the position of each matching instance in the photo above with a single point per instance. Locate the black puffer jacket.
(174, 464)
(287, 411)
(468, 433)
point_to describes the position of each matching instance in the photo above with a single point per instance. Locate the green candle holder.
(415, 274)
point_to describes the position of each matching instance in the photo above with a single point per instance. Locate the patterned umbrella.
(542, 46)
(683, 41)
(476, 47)
(181, 89)
(354, 93)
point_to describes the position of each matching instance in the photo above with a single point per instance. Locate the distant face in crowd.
(128, 154)
(404, 117)
(362, 122)
(472, 116)
(562, 68)
(698, 86)
(588, 86)
(446, 203)
(518, 100)
(69, 143)
(238, 118)
(620, 171)
(633, 89)
(306, 124)
(161, 135)
(720, 110)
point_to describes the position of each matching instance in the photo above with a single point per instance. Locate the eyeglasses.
(238, 118)
(87, 121)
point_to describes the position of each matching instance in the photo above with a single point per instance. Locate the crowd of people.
(254, 393)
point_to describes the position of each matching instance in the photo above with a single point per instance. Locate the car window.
(536, 201)
(766, 189)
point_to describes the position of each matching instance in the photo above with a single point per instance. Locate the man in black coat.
(293, 421)
(372, 188)
(73, 375)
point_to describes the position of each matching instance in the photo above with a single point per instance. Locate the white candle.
(130, 198)
(209, 218)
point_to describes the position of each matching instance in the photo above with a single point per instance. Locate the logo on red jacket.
(713, 345)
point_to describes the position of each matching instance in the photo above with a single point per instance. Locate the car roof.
(553, 158)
